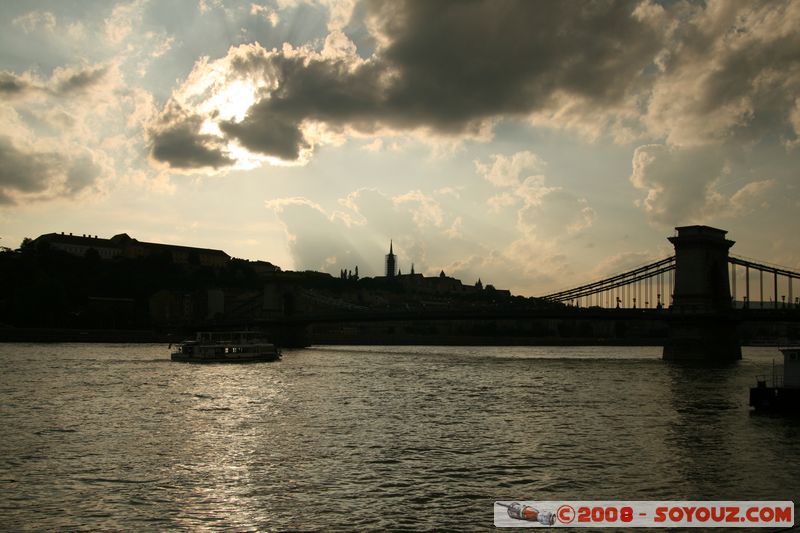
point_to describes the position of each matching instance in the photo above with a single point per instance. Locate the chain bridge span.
(705, 290)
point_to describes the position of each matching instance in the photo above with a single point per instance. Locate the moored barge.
(784, 394)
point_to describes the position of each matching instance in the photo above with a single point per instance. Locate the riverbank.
(120, 336)
(142, 336)
(123, 336)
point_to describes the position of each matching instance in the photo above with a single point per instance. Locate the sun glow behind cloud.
(230, 101)
(217, 95)
(233, 100)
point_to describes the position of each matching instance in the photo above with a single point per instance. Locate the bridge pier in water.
(702, 326)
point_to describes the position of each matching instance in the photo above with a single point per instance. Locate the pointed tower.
(391, 262)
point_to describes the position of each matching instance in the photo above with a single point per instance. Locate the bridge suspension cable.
(627, 287)
(639, 284)
(778, 274)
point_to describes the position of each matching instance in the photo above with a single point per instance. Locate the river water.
(117, 437)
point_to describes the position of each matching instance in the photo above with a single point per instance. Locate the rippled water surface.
(119, 437)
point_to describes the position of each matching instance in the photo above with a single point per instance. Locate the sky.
(533, 145)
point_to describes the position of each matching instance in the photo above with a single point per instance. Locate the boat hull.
(254, 358)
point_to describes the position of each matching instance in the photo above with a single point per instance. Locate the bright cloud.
(508, 171)
(35, 20)
(682, 185)
(546, 211)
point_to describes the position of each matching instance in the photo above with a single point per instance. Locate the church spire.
(391, 262)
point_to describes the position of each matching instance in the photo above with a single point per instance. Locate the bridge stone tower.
(702, 327)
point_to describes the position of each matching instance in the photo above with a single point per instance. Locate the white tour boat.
(227, 347)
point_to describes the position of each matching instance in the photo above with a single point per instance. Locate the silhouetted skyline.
(542, 143)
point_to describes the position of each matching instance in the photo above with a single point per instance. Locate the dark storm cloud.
(80, 80)
(11, 85)
(24, 172)
(447, 66)
(27, 173)
(268, 132)
(179, 143)
(65, 82)
(461, 61)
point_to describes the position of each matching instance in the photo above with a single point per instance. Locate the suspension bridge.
(705, 289)
(652, 285)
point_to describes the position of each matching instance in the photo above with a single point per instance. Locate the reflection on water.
(118, 437)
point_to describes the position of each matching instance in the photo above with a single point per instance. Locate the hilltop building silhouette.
(123, 245)
(415, 282)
